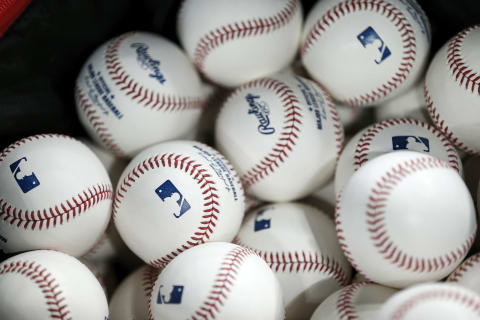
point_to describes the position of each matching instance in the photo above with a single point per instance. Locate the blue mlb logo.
(23, 175)
(261, 224)
(173, 197)
(372, 41)
(412, 143)
(175, 295)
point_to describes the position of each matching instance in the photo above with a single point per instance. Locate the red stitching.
(57, 214)
(378, 229)
(95, 247)
(23, 141)
(296, 261)
(56, 303)
(203, 179)
(149, 276)
(147, 97)
(396, 17)
(362, 149)
(253, 27)
(460, 297)
(98, 125)
(442, 126)
(345, 306)
(464, 268)
(461, 71)
(223, 283)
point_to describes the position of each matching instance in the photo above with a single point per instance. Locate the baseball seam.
(149, 276)
(345, 306)
(150, 98)
(97, 124)
(223, 283)
(377, 228)
(464, 268)
(362, 149)
(57, 214)
(396, 17)
(56, 303)
(467, 301)
(202, 178)
(461, 71)
(442, 126)
(300, 261)
(242, 29)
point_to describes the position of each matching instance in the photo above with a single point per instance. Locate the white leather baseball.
(276, 128)
(439, 301)
(468, 274)
(130, 299)
(393, 135)
(299, 244)
(405, 217)
(359, 301)
(219, 281)
(46, 284)
(452, 89)
(55, 194)
(365, 51)
(233, 42)
(136, 90)
(176, 195)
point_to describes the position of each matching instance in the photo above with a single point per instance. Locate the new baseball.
(46, 284)
(55, 194)
(467, 274)
(405, 217)
(299, 244)
(393, 135)
(359, 301)
(432, 301)
(131, 298)
(217, 280)
(365, 51)
(174, 196)
(136, 90)
(233, 42)
(452, 89)
(276, 128)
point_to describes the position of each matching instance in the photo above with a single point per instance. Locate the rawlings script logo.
(148, 63)
(261, 111)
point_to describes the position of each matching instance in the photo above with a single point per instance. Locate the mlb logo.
(23, 175)
(372, 42)
(175, 295)
(412, 143)
(261, 224)
(173, 197)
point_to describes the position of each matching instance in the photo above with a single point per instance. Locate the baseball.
(365, 51)
(174, 196)
(405, 217)
(136, 90)
(299, 244)
(130, 299)
(219, 281)
(233, 42)
(55, 194)
(359, 301)
(276, 128)
(452, 90)
(432, 301)
(393, 135)
(46, 284)
(467, 274)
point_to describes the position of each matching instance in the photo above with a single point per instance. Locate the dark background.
(43, 51)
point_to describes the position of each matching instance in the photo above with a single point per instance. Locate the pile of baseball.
(221, 180)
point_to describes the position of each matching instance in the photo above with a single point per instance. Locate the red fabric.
(10, 10)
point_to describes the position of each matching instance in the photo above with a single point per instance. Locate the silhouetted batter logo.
(175, 295)
(261, 224)
(173, 198)
(371, 41)
(412, 143)
(24, 175)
